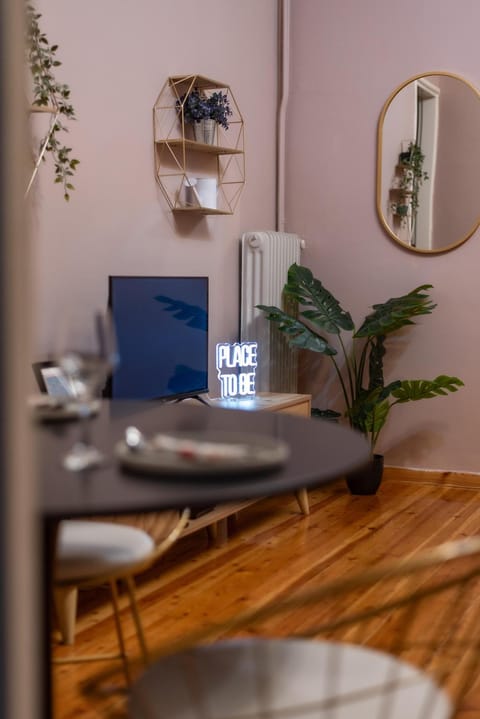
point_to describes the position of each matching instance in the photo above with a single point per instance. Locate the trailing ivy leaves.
(41, 58)
(368, 400)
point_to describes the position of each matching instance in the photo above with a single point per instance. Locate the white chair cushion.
(299, 679)
(87, 549)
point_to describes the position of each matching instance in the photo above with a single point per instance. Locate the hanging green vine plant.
(49, 93)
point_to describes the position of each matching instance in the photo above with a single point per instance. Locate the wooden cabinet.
(299, 404)
(181, 160)
(215, 520)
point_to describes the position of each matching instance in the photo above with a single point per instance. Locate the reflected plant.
(411, 179)
(192, 315)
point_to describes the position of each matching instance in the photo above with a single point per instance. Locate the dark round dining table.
(319, 452)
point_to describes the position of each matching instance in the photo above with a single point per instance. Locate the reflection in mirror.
(428, 162)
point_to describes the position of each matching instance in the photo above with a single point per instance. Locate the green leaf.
(396, 313)
(40, 56)
(308, 291)
(413, 390)
(298, 335)
(369, 410)
(376, 418)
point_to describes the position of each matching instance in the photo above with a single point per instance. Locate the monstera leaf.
(298, 334)
(396, 313)
(369, 410)
(308, 291)
(413, 390)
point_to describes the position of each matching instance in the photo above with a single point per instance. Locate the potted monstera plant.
(319, 325)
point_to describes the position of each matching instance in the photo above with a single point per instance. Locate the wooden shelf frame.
(177, 153)
(199, 147)
(54, 111)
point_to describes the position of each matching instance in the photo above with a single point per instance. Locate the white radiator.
(265, 259)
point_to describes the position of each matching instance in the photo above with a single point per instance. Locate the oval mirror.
(428, 162)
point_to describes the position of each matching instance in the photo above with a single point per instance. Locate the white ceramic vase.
(201, 192)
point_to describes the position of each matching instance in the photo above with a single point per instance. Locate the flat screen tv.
(162, 334)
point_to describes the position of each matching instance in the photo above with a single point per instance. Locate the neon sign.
(236, 365)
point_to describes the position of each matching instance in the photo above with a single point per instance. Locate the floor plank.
(273, 552)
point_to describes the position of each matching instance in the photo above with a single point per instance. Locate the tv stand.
(216, 520)
(193, 396)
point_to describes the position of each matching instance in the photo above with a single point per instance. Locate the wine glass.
(86, 361)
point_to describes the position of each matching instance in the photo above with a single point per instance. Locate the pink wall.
(116, 57)
(346, 59)
(347, 56)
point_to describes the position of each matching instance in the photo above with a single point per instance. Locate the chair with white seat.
(94, 553)
(398, 641)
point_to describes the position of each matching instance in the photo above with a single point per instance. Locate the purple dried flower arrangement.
(197, 105)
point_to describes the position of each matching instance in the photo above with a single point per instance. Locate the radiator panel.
(265, 259)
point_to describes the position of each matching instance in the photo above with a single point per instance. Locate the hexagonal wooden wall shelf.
(181, 161)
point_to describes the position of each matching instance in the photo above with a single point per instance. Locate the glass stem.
(85, 434)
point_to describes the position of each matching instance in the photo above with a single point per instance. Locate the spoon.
(134, 439)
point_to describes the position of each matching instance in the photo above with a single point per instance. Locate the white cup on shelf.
(201, 191)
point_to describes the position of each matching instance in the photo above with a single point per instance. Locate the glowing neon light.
(236, 364)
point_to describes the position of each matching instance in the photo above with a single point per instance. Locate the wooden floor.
(272, 551)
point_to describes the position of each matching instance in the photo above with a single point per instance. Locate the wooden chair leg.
(65, 600)
(129, 581)
(118, 628)
(302, 499)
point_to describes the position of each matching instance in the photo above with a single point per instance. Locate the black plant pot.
(368, 479)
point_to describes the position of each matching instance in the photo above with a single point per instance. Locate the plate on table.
(54, 409)
(204, 453)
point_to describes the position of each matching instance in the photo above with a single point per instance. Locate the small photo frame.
(51, 380)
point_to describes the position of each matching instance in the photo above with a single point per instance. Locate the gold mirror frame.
(379, 179)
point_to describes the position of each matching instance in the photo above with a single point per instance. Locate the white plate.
(205, 453)
(52, 409)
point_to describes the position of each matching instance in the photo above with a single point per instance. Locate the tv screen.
(162, 334)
